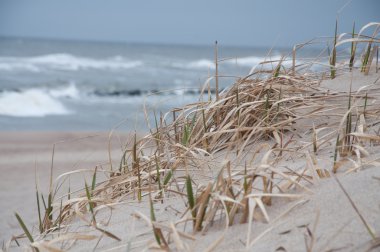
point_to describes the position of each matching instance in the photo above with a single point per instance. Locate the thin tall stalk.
(216, 72)
(353, 48)
(333, 56)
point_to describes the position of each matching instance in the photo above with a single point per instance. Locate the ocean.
(88, 86)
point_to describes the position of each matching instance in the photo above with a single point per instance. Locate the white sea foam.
(65, 62)
(251, 61)
(262, 62)
(179, 92)
(11, 64)
(202, 63)
(246, 61)
(70, 91)
(196, 64)
(30, 103)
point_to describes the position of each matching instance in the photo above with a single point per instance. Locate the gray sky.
(240, 22)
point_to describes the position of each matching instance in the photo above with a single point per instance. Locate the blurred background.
(83, 65)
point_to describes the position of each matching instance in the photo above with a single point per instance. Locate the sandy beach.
(22, 154)
(311, 208)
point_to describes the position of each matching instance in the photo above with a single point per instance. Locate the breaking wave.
(66, 62)
(36, 102)
(244, 62)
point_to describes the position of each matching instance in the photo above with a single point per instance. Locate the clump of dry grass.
(224, 157)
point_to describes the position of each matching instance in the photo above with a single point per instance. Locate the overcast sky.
(231, 22)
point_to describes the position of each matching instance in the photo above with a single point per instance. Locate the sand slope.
(320, 219)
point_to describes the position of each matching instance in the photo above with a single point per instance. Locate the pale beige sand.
(322, 216)
(21, 152)
(337, 228)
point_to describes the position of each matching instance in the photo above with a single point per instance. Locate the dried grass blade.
(251, 208)
(371, 232)
(262, 208)
(366, 136)
(177, 240)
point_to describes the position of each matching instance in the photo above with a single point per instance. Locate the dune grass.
(240, 138)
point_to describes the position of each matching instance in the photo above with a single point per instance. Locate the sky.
(264, 23)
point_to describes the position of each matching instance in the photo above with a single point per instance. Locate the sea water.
(68, 85)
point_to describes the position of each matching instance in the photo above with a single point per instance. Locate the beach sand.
(320, 218)
(22, 154)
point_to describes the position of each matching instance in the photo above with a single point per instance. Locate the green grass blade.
(69, 191)
(315, 148)
(40, 226)
(336, 154)
(187, 131)
(18, 244)
(190, 195)
(123, 161)
(43, 201)
(107, 233)
(333, 56)
(155, 120)
(90, 203)
(353, 48)
(193, 122)
(153, 218)
(366, 57)
(186, 135)
(39, 212)
(136, 167)
(157, 137)
(50, 206)
(158, 173)
(167, 178)
(22, 224)
(276, 72)
(93, 180)
(245, 185)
